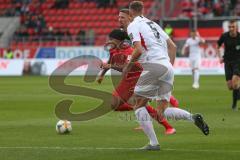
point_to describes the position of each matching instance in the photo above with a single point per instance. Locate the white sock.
(177, 114)
(145, 121)
(196, 76)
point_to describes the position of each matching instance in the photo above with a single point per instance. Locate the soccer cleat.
(170, 131)
(149, 147)
(195, 86)
(199, 122)
(174, 102)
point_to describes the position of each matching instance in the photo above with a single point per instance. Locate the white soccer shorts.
(156, 81)
(195, 62)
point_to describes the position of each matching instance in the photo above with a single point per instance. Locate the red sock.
(124, 107)
(174, 102)
(153, 113)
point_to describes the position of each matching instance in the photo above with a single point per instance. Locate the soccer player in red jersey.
(120, 53)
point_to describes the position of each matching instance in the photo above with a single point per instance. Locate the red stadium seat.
(68, 19)
(65, 12)
(73, 31)
(60, 18)
(52, 12)
(47, 18)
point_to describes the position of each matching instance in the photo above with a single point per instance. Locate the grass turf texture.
(27, 124)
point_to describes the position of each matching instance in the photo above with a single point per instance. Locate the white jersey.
(152, 38)
(194, 48)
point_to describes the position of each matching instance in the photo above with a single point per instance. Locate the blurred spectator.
(61, 4)
(81, 37)
(169, 30)
(90, 37)
(27, 21)
(208, 8)
(32, 22)
(204, 7)
(24, 8)
(8, 54)
(58, 34)
(40, 22)
(105, 3)
(10, 12)
(50, 36)
(187, 8)
(66, 35)
(217, 9)
(22, 34)
(18, 7)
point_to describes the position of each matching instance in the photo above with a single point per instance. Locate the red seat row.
(80, 18)
(80, 11)
(84, 25)
(45, 44)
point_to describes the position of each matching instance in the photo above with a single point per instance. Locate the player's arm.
(172, 49)
(137, 52)
(105, 67)
(133, 32)
(201, 40)
(185, 46)
(219, 45)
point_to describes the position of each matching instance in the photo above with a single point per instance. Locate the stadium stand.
(73, 23)
(87, 22)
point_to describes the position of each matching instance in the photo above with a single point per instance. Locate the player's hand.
(100, 79)
(105, 66)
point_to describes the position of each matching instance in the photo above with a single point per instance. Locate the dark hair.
(137, 6)
(118, 34)
(232, 21)
(125, 10)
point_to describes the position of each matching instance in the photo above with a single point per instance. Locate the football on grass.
(63, 127)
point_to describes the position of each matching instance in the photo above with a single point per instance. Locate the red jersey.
(120, 57)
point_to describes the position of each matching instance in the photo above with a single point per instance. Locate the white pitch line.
(113, 148)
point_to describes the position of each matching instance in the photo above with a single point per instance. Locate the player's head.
(116, 37)
(233, 27)
(124, 18)
(193, 33)
(136, 8)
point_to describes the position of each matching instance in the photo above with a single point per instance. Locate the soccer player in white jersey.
(154, 50)
(194, 50)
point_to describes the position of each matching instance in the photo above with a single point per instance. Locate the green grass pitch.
(27, 124)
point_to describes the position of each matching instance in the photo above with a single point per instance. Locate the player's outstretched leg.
(168, 128)
(180, 114)
(124, 107)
